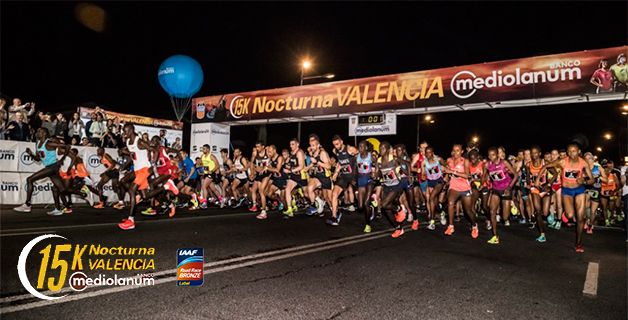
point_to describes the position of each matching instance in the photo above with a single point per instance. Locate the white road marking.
(590, 284)
(209, 267)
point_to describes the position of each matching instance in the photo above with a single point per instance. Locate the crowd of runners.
(542, 189)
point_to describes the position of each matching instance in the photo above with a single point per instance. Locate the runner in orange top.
(539, 190)
(111, 174)
(459, 189)
(609, 192)
(575, 172)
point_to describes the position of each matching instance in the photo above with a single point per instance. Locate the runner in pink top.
(499, 171)
(459, 189)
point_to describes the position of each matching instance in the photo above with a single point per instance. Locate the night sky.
(49, 57)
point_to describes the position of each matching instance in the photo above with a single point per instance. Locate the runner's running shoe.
(351, 208)
(173, 210)
(579, 248)
(127, 224)
(410, 217)
(119, 205)
(489, 226)
(149, 212)
(541, 238)
(475, 232)
(493, 240)
(367, 229)
(401, 215)
(99, 205)
(432, 225)
(67, 210)
(398, 233)
(289, 213)
(253, 208)
(443, 221)
(415, 225)
(564, 218)
(311, 210)
(23, 208)
(55, 212)
(507, 223)
(450, 230)
(557, 225)
(550, 219)
(262, 215)
(332, 222)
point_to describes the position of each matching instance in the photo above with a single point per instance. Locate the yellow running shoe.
(493, 240)
(367, 229)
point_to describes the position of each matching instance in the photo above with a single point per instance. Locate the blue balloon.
(180, 76)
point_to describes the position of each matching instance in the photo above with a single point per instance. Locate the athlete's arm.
(110, 159)
(415, 159)
(300, 162)
(588, 172)
(325, 163)
(215, 160)
(603, 175)
(53, 145)
(512, 170)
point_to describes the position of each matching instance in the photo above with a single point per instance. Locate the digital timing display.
(372, 119)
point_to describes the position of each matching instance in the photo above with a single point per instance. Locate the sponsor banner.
(558, 75)
(25, 163)
(213, 134)
(12, 189)
(152, 126)
(9, 155)
(373, 125)
(42, 190)
(86, 113)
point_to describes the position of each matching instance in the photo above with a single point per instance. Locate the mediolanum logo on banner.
(26, 159)
(37, 188)
(9, 186)
(93, 161)
(7, 154)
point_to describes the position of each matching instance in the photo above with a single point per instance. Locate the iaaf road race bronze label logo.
(81, 266)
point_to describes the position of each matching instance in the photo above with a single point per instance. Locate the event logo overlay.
(190, 267)
(60, 264)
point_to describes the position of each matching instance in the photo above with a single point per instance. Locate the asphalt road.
(302, 269)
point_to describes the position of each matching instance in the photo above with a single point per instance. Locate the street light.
(598, 149)
(428, 118)
(306, 64)
(475, 139)
(608, 136)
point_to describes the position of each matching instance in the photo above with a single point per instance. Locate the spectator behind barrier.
(177, 144)
(60, 126)
(97, 129)
(75, 128)
(17, 106)
(18, 129)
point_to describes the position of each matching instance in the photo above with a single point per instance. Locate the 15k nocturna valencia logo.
(80, 266)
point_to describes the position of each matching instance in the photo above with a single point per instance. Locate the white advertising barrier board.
(373, 125)
(20, 161)
(217, 136)
(16, 166)
(12, 188)
(9, 155)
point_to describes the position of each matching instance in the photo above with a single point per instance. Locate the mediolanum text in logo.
(466, 83)
(94, 161)
(9, 186)
(40, 186)
(26, 159)
(166, 70)
(239, 106)
(7, 154)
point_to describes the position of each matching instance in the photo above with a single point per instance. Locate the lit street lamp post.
(306, 64)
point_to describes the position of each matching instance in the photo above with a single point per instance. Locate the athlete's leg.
(579, 203)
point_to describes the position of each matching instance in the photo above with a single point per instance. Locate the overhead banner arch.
(542, 80)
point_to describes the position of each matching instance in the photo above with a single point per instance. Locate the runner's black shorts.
(344, 180)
